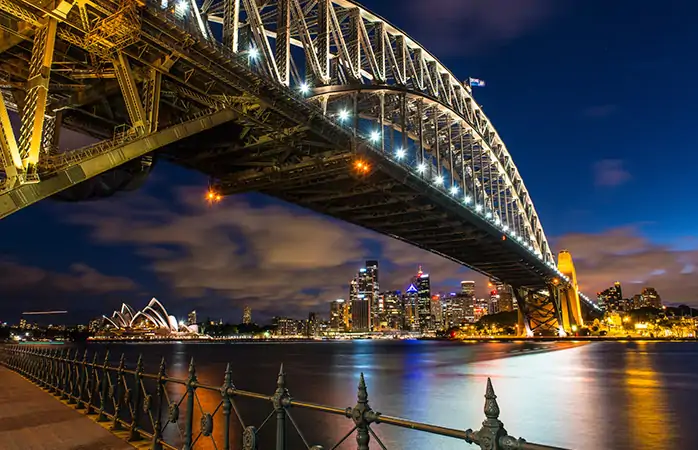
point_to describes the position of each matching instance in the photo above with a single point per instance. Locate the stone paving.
(32, 419)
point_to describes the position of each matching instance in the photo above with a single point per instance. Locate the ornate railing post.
(227, 391)
(92, 385)
(104, 389)
(73, 377)
(134, 435)
(191, 392)
(280, 400)
(82, 380)
(362, 415)
(492, 428)
(116, 394)
(160, 393)
(64, 374)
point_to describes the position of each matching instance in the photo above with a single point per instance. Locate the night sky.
(595, 99)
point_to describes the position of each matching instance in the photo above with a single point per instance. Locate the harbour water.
(606, 395)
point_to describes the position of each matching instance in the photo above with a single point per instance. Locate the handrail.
(142, 404)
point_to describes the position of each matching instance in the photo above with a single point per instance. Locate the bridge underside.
(364, 189)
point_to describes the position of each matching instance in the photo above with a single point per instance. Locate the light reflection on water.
(602, 395)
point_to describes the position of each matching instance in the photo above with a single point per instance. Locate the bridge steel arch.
(315, 84)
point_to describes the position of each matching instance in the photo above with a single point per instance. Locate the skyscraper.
(501, 297)
(467, 287)
(191, 318)
(362, 294)
(437, 312)
(612, 298)
(424, 301)
(247, 315)
(372, 291)
(410, 300)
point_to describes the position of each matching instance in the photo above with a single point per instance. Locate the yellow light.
(574, 328)
(556, 281)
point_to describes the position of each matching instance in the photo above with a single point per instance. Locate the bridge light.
(182, 6)
(375, 136)
(488, 215)
(253, 53)
(400, 153)
(421, 168)
(454, 190)
(505, 228)
(478, 207)
(556, 281)
(467, 200)
(343, 115)
(361, 166)
(439, 180)
(304, 88)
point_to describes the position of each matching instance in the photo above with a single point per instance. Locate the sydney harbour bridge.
(320, 103)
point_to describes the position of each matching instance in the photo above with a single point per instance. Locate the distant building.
(361, 293)
(501, 297)
(247, 315)
(339, 315)
(651, 298)
(371, 289)
(410, 301)
(191, 318)
(611, 299)
(22, 323)
(393, 310)
(312, 325)
(424, 301)
(467, 288)
(437, 315)
(151, 320)
(481, 307)
(285, 326)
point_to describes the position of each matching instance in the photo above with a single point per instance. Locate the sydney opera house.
(153, 321)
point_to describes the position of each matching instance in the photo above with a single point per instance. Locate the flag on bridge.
(476, 82)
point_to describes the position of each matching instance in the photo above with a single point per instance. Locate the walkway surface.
(32, 419)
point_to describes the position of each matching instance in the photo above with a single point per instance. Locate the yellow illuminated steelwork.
(571, 293)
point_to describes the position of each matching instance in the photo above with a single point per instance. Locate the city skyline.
(165, 241)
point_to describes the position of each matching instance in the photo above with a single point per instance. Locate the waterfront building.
(191, 318)
(247, 315)
(286, 326)
(458, 309)
(339, 315)
(312, 325)
(505, 296)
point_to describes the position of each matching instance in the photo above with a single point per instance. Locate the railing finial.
(491, 406)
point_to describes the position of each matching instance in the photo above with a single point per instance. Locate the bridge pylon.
(571, 307)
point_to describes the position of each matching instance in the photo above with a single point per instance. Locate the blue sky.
(594, 99)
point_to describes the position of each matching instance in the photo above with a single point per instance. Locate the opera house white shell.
(153, 317)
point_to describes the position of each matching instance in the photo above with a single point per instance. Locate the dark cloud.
(80, 278)
(624, 255)
(458, 27)
(277, 258)
(610, 173)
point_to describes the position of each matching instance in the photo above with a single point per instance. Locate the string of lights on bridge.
(399, 156)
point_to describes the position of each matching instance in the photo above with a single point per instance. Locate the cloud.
(458, 27)
(80, 278)
(278, 258)
(623, 254)
(600, 111)
(610, 173)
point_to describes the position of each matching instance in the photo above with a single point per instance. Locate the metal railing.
(170, 414)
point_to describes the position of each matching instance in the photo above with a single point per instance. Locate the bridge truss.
(318, 102)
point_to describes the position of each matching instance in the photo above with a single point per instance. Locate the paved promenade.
(32, 419)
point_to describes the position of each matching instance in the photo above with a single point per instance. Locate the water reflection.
(605, 395)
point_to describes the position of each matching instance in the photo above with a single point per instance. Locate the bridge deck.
(33, 419)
